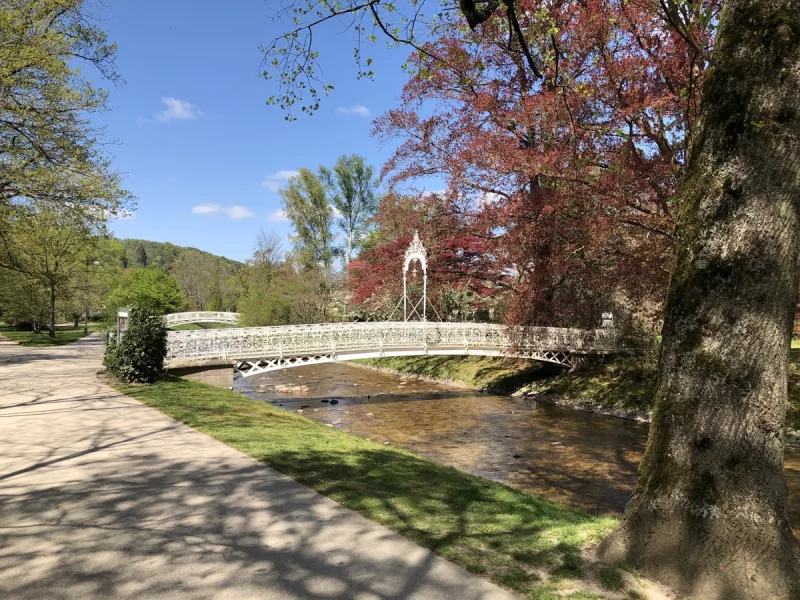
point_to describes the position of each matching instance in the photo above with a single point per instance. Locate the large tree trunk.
(708, 515)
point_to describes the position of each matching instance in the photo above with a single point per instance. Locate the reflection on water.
(577, 458)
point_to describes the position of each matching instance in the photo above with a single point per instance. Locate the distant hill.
(164, 254)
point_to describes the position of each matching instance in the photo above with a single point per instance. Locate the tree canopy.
(149, 288)
(50, 150)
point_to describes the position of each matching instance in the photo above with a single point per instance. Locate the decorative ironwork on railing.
(184, 318)
(258, 349)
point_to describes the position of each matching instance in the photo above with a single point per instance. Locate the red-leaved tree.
(569, 174)
(460, 258)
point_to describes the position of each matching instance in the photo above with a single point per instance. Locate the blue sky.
(192, 131)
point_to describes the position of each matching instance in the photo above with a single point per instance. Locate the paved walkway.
(103, 497)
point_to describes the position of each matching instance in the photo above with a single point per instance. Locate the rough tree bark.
(708, 515)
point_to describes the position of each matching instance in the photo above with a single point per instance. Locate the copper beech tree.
(708, 515)
(572, 167)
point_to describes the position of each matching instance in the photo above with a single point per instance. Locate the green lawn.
(514, 539)
(64, 335)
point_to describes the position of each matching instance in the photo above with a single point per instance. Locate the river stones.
(334, 402)
(282, 387)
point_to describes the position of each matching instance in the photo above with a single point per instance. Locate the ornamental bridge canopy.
(253, 350)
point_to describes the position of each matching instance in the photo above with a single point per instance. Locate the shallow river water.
(572, 457)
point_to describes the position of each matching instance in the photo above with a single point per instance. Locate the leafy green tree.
(23, 299)
(49, 149)
(196, 274)
(353, 191)
(148, 288)
(141, 256)
(50, 246)
(208, 282)
(275, 290)
(90, 286)
(56, 187)
(307, 207)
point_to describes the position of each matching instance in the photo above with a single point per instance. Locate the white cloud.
(278, 216)
(239, 212)
(177, 110)
(233, 212)
(356, 109)
(275, 181)
(206, 209)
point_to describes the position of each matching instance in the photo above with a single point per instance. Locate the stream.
(572, 457)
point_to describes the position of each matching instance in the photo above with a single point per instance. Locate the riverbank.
(622, 386)
(496, 375)
(537, 548)
(64, 335)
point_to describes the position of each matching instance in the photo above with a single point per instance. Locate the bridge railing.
(343, 338)
(201, 316)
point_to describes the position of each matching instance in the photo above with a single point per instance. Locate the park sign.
(123, 317)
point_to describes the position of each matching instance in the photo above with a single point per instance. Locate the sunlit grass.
(521, 541)
(484, 372)
(64, 335)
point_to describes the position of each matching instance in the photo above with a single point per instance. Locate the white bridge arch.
(184, 318)
(254, 350)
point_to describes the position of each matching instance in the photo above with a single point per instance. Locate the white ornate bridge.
(185, 318)
(254, 350)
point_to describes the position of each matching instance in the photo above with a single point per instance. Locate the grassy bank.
(501, 375)
(64, 335)
(517, 540)
(623, 385)
(627, 385)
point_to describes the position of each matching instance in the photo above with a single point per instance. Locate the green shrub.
(139, 357)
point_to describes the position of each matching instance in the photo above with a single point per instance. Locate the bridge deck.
(258, 349)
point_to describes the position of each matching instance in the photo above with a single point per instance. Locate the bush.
(139, 357)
